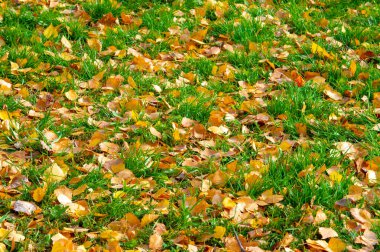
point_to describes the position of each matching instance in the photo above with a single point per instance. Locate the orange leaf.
(352, 67)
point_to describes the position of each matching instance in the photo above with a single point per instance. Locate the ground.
(189, 125)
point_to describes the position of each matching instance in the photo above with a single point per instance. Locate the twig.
(238, 241)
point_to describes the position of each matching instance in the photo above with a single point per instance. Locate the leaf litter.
(195, 126)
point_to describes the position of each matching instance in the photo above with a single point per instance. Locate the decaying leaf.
(25, 207)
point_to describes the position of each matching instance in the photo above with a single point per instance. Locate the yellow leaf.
(134, 116)
(253, 47)
(111, 235)
(119, 194)
(335, 176)
(39, 194)
(176, 135)
(148, 218)
(131, 82)
(228, 203)
(219, 232)
(4, 233)
(4, 115)
(96, 138)
(316, 49)
(71, 95)
(142, 124)
(3, 248)
(14, 66)
(55, 173)
(336, 245)
(67, 56)
(51, 31)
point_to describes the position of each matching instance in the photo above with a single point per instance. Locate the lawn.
(190, 125)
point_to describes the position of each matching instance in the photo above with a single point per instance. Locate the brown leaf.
(116, 165)
(368, 239)
(219, 130)
(110, 148)
(361, 215)
(286, 240)
(271, 198)
(320, 217)
(62, 145)
(347, 149)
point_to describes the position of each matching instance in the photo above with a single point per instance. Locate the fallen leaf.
(39, 194)
(71, 95)
(155, 242)
(336, 245)
(64, 195)
(155, 132)
(327, 232)
(316, 49)
(51, 31)
(66, 43)
(55, 173)
(110, 148)
(25, 207)
(219, 232)
(333, 94)
(148, 218)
